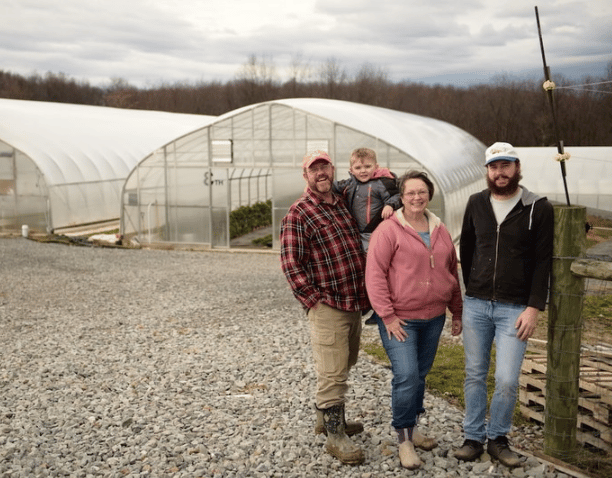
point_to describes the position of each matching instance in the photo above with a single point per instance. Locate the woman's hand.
(395, 329)
(456, 328)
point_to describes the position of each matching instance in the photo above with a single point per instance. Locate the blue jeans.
(411, 361)
(484, 321)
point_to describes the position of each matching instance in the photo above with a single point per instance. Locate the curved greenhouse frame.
(63, 165)
(185, 191)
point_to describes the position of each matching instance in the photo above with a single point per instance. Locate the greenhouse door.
(216, 180)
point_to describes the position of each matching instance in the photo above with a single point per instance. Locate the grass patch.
(601, 230)
(112, 231)
(596, 315)
(377, 352)
(596, 323)
(597, 306)
(447, 375)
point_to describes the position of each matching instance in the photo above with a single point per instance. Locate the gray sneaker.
(469, 451)
(500, 450)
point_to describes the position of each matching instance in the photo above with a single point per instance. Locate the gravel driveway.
(123, 363)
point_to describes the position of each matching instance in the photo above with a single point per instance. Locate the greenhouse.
(64, 165)
(184, 191)
(588, 176)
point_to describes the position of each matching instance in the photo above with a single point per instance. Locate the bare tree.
(257, 70)
(121, 94)
(255, 79)
(371, 85)
(332, 75)
(299, 75)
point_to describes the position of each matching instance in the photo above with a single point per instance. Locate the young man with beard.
(506, 256)
(324, 262)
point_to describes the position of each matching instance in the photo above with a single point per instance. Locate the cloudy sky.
(150, 42)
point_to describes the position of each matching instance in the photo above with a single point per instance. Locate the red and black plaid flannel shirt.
(321, 254)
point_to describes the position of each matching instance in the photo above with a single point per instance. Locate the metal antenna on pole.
(551, 102)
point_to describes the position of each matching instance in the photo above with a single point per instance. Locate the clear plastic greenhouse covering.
(63, 165)
(185, 191)
(588, 176)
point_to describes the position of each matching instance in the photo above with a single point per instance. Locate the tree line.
(504, 109)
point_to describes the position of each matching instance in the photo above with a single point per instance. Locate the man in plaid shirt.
(324, 262)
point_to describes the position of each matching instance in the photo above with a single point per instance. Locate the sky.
(147, 43)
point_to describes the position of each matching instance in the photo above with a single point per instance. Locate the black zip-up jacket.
(510, 263)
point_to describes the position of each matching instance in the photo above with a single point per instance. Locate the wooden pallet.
(594, 421)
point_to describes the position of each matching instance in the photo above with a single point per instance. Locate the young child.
(371, 194)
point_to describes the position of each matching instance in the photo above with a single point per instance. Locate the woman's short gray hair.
(422, 175)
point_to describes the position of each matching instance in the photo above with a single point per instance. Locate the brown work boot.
(469, 451)
(350, 428)
(423, 442)
(500, 450)
(338, 443)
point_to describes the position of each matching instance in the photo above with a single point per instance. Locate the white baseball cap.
(500, 152)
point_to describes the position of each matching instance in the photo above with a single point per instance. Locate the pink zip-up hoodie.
(405, 278)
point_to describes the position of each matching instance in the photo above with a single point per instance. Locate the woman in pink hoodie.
(411, 279)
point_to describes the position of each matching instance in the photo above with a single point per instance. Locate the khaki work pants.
(334, 336)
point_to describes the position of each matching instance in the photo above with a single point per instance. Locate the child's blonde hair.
(360, 154)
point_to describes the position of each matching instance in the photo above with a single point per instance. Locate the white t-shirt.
(501, 207)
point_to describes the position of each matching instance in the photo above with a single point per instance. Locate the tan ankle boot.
(423, 442)
(408, 457)
(338, 443)
(350, 428)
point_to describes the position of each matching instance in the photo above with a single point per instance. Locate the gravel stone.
(124, 363)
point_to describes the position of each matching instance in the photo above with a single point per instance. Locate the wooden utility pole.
(564, 333)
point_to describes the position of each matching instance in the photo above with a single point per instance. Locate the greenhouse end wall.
(24, 198)
(185, 191)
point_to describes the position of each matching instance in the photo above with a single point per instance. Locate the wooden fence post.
(564, 334)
